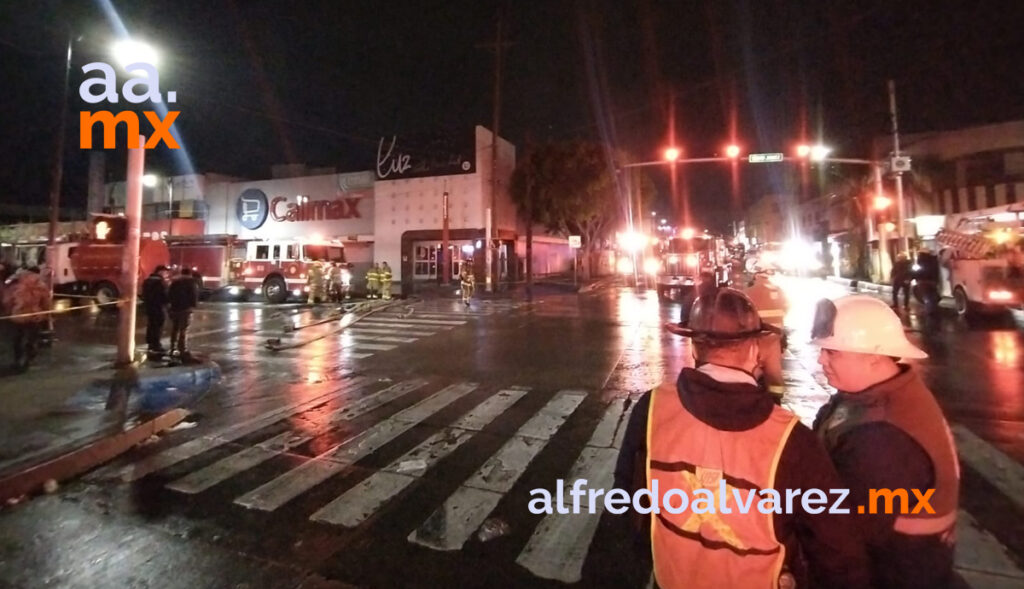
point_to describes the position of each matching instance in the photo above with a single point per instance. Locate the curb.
(78, 461)
(154, 390)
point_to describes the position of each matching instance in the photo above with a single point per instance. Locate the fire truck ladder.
(973, 246)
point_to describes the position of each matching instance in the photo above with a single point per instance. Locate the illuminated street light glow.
(686, 233)
(819, 152)
(672, 154)
(882, 202)
(129, 51)
(803, 150)
(632, 241)
(149, 180)
(732, 151)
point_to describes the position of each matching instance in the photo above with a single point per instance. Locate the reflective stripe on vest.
(914, 411)
(713, 549)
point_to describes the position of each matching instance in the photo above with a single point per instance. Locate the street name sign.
(758, 158)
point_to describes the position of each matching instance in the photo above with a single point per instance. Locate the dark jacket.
(927, 267)
(897, 560)
(154, 294)
(183, 294)
(827, 552)
(901, 271)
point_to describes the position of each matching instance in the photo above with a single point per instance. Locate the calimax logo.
(314, 210)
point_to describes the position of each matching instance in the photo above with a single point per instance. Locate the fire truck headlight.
(651, 266)
(303, 275)
(624, 266)
(917, 267)
(673, 259)
(234, 291)
(692, 260)
(297, 291)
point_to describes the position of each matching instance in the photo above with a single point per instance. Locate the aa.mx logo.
(108, 84)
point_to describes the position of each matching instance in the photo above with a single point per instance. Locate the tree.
(572, 188)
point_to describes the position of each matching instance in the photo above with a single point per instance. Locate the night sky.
(319, 82)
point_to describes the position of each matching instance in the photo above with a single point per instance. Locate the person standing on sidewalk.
(154, 300)
(27, 300)
(372, 281)
(884, 430)
(715, 424)
(182, 296)
(385, 282)
(467, 281)
(900, 279)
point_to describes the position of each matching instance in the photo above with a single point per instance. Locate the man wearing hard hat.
(714, 428)
(884, 430)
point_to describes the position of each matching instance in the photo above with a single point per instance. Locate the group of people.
(25, 300)
(328, 281)
(378, 282)
(163, 297)
(717, 423)
(924, 270)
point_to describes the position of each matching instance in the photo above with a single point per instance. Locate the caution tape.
(59, 311)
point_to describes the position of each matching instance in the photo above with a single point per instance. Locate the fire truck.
(209, 257)
(682, 259)
(280, 268)
(92, 266)
(976, 266)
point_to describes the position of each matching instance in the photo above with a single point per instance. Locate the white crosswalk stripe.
(453, 523)
(560, 544)
(299, 480)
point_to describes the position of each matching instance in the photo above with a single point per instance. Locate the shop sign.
(251, 208)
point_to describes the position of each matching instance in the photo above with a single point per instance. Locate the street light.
(129, 51)
(882, 202)
(732, 151)
(672, 154)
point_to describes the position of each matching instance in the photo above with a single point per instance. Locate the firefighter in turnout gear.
(26, 294)
(372, 281)
(385, 282)
(315, 282)
(771, 305)
(715, 430)
(467, 282)
(884, 430)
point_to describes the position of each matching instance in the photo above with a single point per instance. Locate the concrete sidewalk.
(72, 410)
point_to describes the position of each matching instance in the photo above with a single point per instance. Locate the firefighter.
(182, 297)
(771, 305)
(468, 283)
(385, 281)
(372, 281)
(884, 430)
(25, 294)
(315, 282)
(900, 279)
(714, 427)
(332, 282)
(154, 300)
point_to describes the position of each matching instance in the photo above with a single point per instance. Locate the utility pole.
(130, 257)
(57, 177)
(491, 224)
(901, 207)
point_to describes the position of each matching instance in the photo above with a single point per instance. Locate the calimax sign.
(314, 210)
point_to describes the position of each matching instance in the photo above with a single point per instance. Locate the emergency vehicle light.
(1000, 295)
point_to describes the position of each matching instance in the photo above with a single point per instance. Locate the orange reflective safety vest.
(905, 402)
(712, 549)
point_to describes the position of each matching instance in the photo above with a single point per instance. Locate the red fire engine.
(280, 268)
(96, 261)
(208, 256)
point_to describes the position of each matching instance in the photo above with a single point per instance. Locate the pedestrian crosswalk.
(420, 424)
(350, 337)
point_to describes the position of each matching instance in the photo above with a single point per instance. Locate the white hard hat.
(863, 324)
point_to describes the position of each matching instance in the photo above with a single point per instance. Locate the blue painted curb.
(154, 390)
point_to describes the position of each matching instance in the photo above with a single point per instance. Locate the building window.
(424, 261)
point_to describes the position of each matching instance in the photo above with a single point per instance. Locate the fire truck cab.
(279, 269)
(682, 259)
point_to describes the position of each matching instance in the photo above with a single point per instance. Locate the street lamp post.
(57, 178)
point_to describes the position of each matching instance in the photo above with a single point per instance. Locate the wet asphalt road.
(370, 455)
